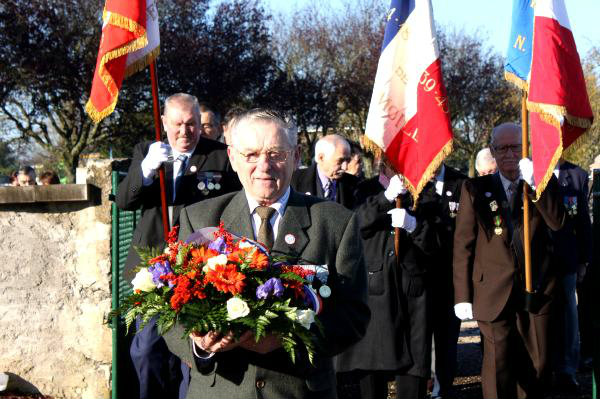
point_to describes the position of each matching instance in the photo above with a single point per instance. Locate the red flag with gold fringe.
(129, 42)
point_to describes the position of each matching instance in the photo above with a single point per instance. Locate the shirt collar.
(176, 153)
(278, 205)
(324, 179)
(505, 182)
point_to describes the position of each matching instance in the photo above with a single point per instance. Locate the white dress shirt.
(279, 207)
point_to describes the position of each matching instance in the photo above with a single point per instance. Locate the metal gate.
(124, 379)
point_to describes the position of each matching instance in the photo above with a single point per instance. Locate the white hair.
(326, 145)
(287, 125)
(483, 157)
(183, 98)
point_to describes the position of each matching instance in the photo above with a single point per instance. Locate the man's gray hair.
(326, 145)
(185, 99)
(484, 156)
(264, 115)
(502, 127)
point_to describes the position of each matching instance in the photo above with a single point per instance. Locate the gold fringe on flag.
(140, 42)
(517, 81)
(142, 62)
(429, 173)
(541, 186)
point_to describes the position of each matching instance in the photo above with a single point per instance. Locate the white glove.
(158, 152)
(526, 169)
(463, 310)
(403, 220)
(395, 188)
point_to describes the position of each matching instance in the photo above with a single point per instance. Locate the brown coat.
(488, 265)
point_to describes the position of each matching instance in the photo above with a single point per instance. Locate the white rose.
(143, 281)
(211, 263)
(236, 308)
(305, 317)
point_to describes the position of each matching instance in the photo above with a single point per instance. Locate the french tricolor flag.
(409, 119)
(557, 99)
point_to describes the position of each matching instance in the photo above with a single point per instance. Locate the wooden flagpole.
(157, 131)
(525, 154)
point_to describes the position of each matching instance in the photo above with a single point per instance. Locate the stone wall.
(55, 292)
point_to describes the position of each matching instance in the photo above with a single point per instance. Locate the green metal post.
(115, 285)
(595, 279)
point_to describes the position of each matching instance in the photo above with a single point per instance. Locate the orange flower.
(226, 278)
(259, 261)
(202, 254)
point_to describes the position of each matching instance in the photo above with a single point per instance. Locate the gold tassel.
(517, 81)
(142, 62)
(548, 175)
(429, 172)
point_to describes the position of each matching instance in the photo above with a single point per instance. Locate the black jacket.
(396, 339)
(306, 181)
(209, 156)
(573, 243)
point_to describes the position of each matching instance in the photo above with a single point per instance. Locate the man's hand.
(265, 345)
(213, 341)
(463, 310)
(526, 171)
(395, 188)
(158, 152)
(402, 219)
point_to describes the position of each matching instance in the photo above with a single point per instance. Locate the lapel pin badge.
(193, 168)
(308, 193)
(488, 194)
(449, 193)
(325, 291)
(290, 239)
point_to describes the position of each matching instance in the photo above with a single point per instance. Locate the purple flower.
(158, 270)
(271, 286)
(218, 245)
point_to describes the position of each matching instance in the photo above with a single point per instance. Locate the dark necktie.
(329, 190)
(265, 231)
(512, 189)
(182, 159)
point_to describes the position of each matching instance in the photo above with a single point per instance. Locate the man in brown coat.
(489, 269)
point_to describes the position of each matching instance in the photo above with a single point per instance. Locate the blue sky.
(489, 18)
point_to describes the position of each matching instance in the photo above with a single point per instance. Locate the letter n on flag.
(129, 42)
(542, 59)
(409, 118)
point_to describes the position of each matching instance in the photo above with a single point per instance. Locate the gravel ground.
(468, 380)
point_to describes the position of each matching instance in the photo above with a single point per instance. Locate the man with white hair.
(485, 164)
(327, 177)
(264, 153)
(489, 275)
(193, 164)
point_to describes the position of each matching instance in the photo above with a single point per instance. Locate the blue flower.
(158, 270)
(271, 286)
(218, 245)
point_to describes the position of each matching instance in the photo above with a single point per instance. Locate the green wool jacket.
(325, 233)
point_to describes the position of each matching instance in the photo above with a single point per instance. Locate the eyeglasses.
(515, 149)
(272, 156)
